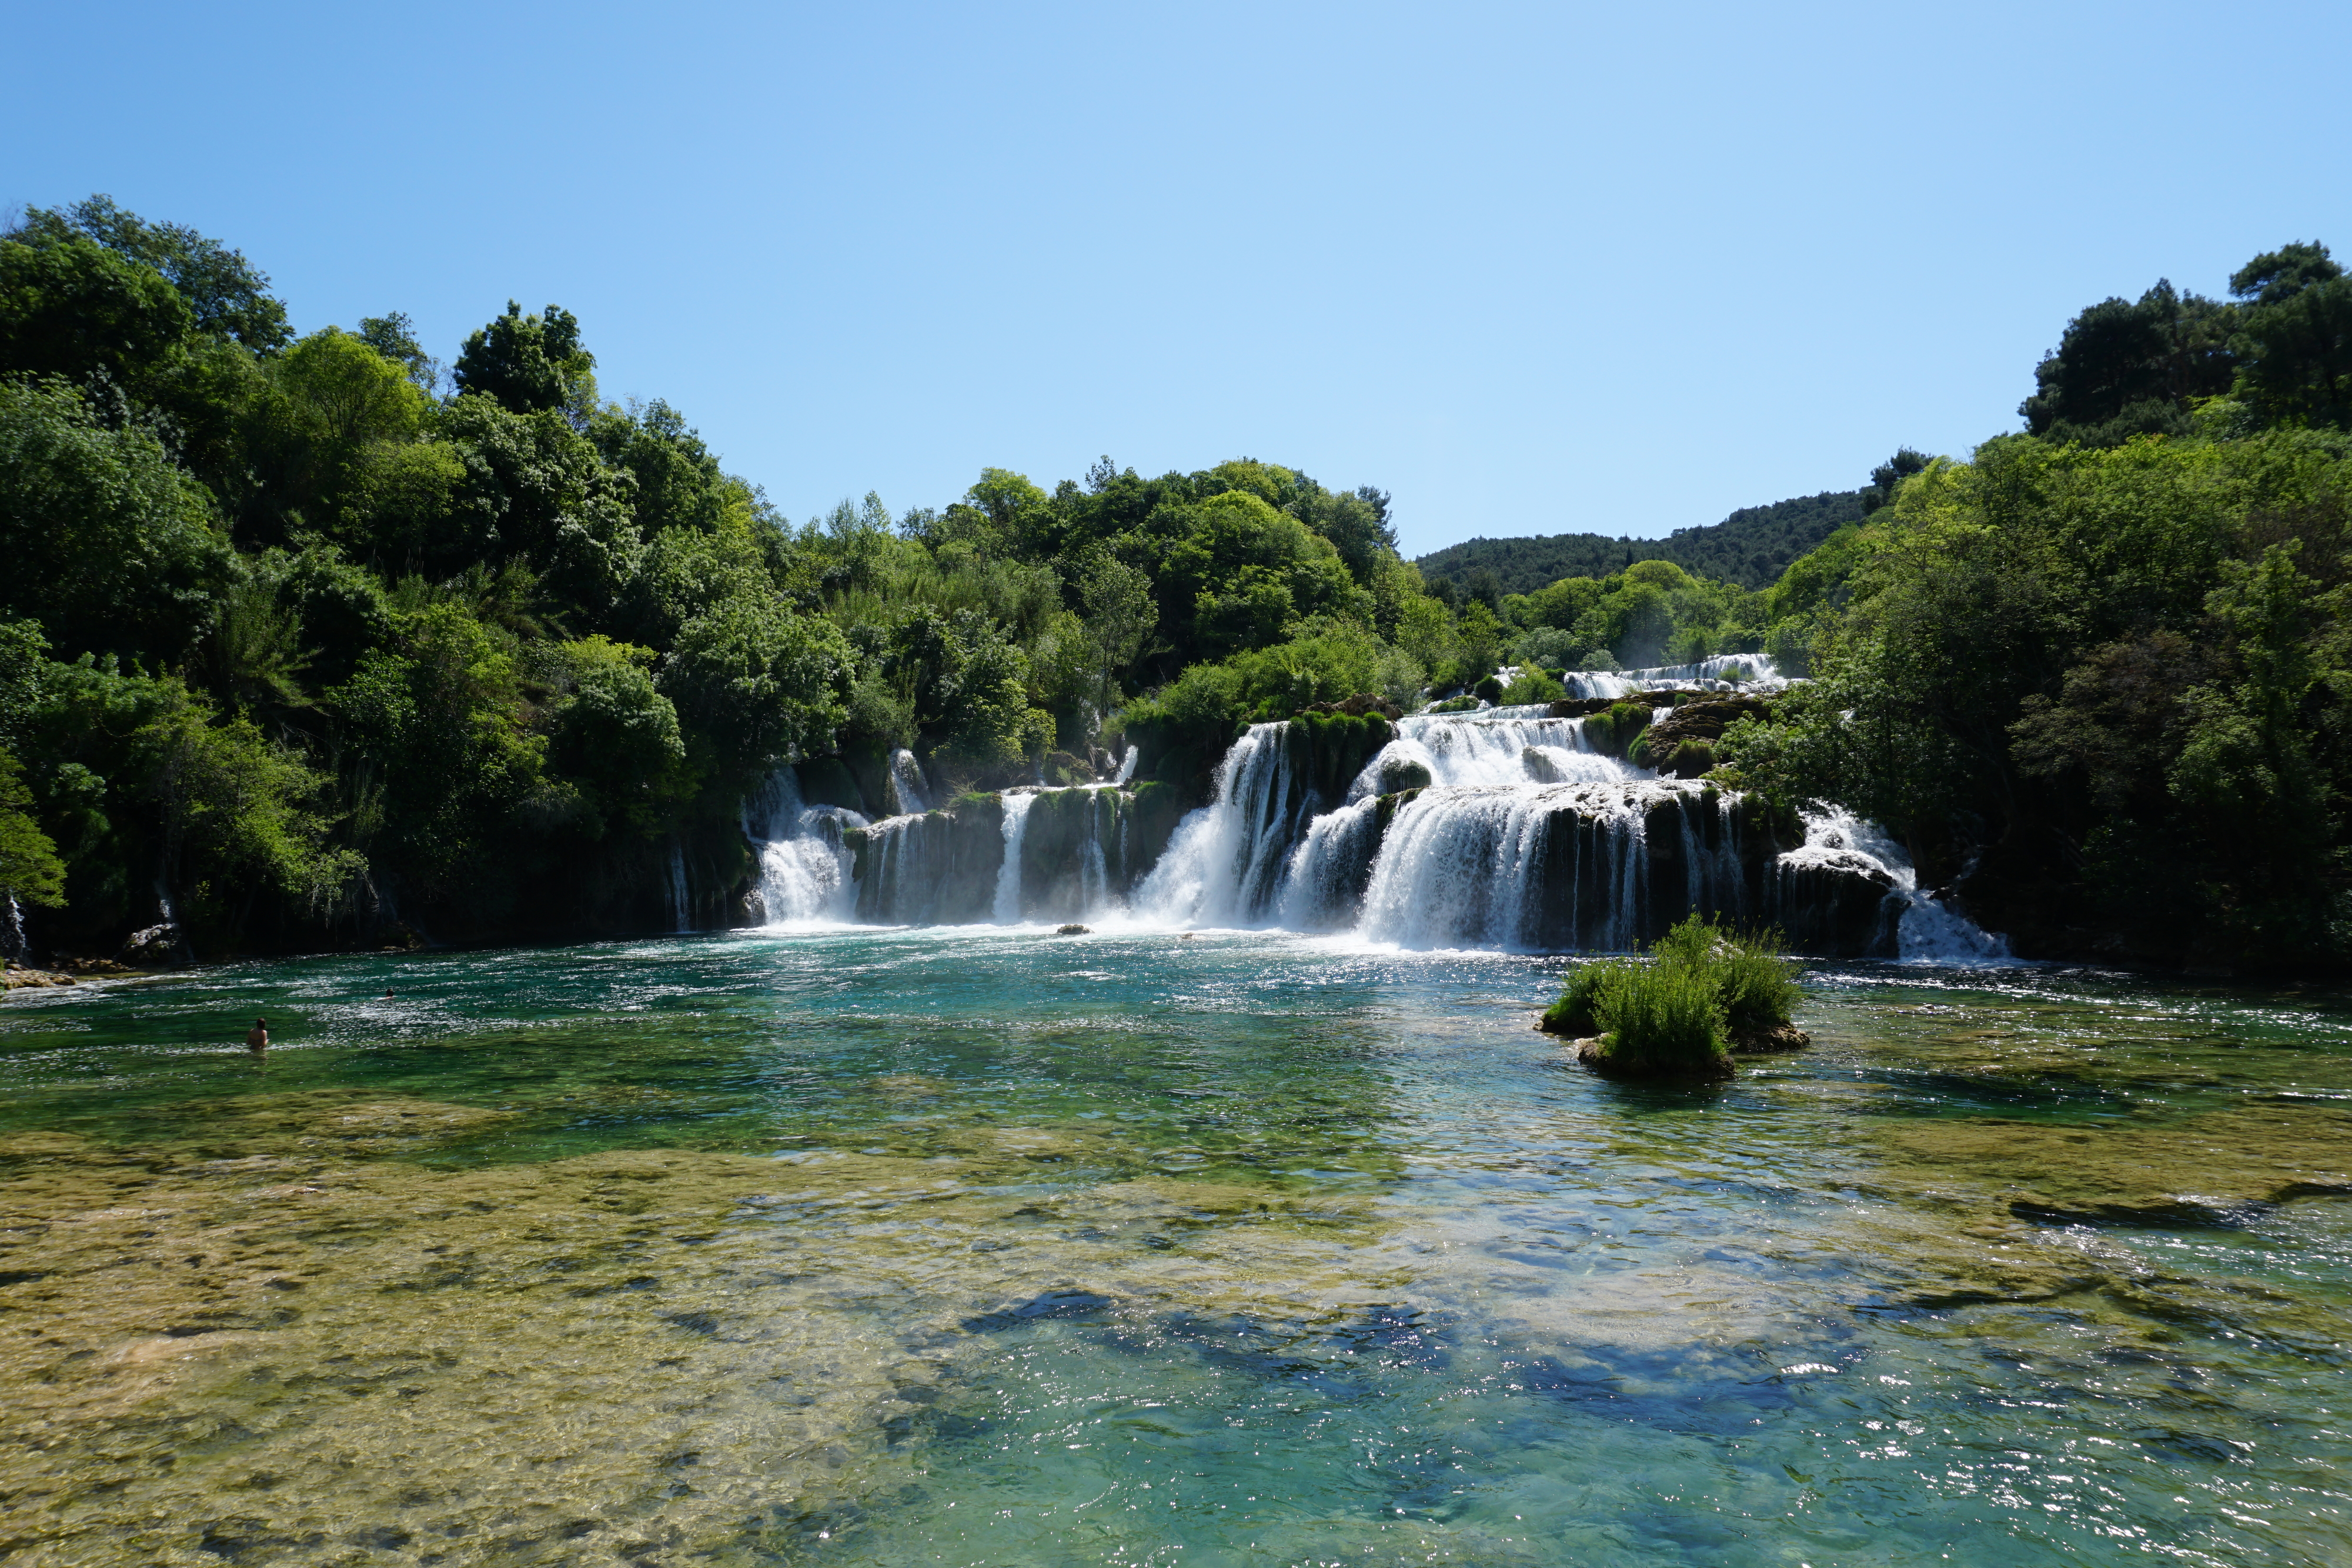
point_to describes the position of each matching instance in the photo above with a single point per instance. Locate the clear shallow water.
(990, 1247)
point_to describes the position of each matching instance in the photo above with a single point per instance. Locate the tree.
(529, 364)
(2295, 342)
(759, 683)
(616, 730)
(2121, 370)
(108, 546)
(30, 871)
(227, 296)
(1119, 615)
(394, 337)
(73, 309)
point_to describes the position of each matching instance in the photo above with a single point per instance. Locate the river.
(983, 1245)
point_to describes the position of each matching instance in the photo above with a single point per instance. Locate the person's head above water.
(261, 1023)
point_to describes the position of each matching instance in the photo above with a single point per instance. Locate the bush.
(1577, 1013)
(1663, 1018)
(1616, 728)
(1758, 993)
(1530, 685)
(1671, 1017)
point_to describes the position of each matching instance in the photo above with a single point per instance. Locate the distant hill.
(1752, 547)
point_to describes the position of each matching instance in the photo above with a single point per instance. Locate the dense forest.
(313, 640)
(1751, 548)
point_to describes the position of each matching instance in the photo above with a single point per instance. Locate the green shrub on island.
(1577, 1013)
(1705, 990)
(1662, 1019)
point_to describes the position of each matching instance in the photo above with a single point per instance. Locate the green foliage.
(2125, 370)
(108, 544)
(1615, 729)
(758, 683)
(30, 871)
(527, 365)
(227, 297)
(1754, 984)
(1672, 1015)
(1749, 549)
(74, 309)
(1577, 1013)
(1662, 1019)
(613, 730)
(2294, 339)
(1533, 686)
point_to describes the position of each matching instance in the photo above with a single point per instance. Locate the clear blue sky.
(1531, 268)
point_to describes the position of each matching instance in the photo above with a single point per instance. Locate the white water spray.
(804, 863)
(1927, 932)
(911, 792)
(1007, 911)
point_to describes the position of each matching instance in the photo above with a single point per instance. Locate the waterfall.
(908, 784)
(1505, 827)
(681, 906)
(1723, 670)
(1225, 863)
(1498, 828)
(1501, 866)
(1926, 929)
(803, 859)
(1126, 765)
(1007, 908)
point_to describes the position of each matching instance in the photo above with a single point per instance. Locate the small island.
(1705, 993)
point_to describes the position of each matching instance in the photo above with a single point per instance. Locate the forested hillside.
(306, 639)
(2098, 674)
(312, 640)
(1751, 548)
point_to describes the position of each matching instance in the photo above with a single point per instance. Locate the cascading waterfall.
(910, 793)
(803, 859)
(1503, 827)
(1741, 672)
(681, 907)
(1007, 907)
(1224, 866)
(1926, 928)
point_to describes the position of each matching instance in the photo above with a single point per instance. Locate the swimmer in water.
(257, 1039)
(387, 993)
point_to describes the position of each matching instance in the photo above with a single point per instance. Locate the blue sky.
(1529, 269)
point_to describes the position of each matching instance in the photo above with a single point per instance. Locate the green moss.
(1617, 729)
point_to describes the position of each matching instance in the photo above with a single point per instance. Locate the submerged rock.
(1593, 1053)
(1768, 1041)
(521, 1360)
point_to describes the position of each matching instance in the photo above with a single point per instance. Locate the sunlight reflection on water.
(986, 1245)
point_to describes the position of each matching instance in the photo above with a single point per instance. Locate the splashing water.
(1929, 931)
(911, 792)
(804, 863)
(1741, 672)
(1007, 910)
